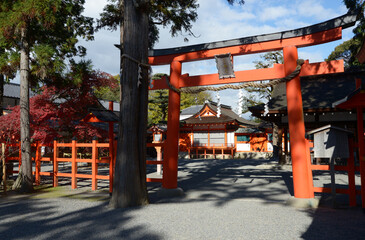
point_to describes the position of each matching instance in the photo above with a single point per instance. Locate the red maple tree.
(56, 112)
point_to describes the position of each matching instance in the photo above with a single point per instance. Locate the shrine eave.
(353, 100)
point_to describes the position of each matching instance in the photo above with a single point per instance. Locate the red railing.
(73, 159)
(350, 169)
(159, 160)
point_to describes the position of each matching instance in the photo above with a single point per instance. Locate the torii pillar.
(172, 136)
(302, 178)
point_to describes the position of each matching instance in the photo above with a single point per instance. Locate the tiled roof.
(104, 115)
(227, 115)
(191, 110)
(318, 92)
(105, 104)
(12, 90)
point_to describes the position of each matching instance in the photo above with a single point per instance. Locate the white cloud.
(199, 67)
(272, 13)
(93, 8)
(315, 9)
(161, 69)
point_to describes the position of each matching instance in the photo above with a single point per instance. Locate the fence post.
(159, 158)
(94, 167)
(351, 174)
(115, 143)
(73, 165)
(37, 164)
(55, 164)
(111, 164)
(4, 165)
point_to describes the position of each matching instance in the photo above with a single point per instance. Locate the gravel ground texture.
(224, 199)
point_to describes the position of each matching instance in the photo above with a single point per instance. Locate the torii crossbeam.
(288, 41)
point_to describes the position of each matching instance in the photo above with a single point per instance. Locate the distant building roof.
(104, 115)
(318, 92)
(105, 104)
(191, 110)
(12, 90)
(227, 115)
(249, 130)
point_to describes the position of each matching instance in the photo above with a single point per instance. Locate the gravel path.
(230, 199)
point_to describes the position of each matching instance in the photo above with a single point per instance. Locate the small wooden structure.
(158, 138)
(356, 101)
(330, 142)
(333, 142)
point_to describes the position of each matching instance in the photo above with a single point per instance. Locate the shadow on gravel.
(26, 218)
(222, 181)
(336, 224)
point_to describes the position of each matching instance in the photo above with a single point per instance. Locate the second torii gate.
(287, 41)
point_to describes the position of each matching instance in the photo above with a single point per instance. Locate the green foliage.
(344, 51)
(269, 59)
(158, 102)
(109, 91)
(188, 100)
(9, 63)
(353, 47)
(157, 106)
(255, 96)
(53, 28)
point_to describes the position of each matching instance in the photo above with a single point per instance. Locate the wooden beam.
(275, 72)
(258, 47)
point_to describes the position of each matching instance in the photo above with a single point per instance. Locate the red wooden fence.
(74, 160)
(350, 169)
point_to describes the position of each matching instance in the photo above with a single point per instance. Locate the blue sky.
(219, 21)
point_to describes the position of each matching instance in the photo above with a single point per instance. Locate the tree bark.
(1, 93)
(24, 181)
(129, 187)
(2, 82)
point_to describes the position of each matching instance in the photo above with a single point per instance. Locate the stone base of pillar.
(302, 202)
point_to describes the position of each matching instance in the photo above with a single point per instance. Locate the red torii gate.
(287, 41)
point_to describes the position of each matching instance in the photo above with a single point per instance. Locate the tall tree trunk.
(2, 82)
(24, 181)
(1, 93)
(130, 170)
